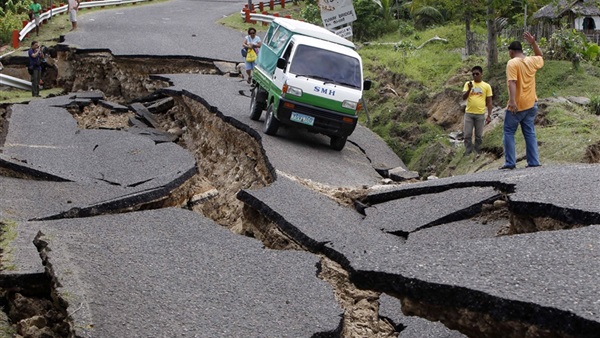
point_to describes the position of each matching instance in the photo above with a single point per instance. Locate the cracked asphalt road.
(170, 271)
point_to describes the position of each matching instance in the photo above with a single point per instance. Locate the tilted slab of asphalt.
(173, 272)
(122, 169)
(294, 152)
(547, 279)
(406, 215)
(567, 192)
(23, 199)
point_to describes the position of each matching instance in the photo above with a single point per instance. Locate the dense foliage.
(12, 14)
(571, 45)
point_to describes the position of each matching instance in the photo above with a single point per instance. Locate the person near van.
(251, 41)
(73, 8)
(35, 67)
(479, 100)
(522, 102)
(35, 9)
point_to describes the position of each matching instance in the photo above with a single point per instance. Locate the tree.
(492, 54)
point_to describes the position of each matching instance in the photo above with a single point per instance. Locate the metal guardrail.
(63, 9)
(256, 5)
(7, 80)
(262, 17)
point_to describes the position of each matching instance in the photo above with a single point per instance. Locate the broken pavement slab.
(23, 199)
(541, 281)
(119, 169)
(407, 215)
(567, 193)
(145, 115)
(47, 138)
(171, 270)
(21, 264)
(400, 174)
(114, 107)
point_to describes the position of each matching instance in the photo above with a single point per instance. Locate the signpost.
(336, 13)
(345, 32)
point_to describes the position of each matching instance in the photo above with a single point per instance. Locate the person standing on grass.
(35, 9)
(479, 99)
(251, 41)
(73, 8)
(35, 66)
(522, 102)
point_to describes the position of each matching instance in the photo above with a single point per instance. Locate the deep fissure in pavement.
(230, 158)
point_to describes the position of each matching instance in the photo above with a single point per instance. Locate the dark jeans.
(35, 81)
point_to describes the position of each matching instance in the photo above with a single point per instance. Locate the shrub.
(571, 45)
(10, 22)
(12, 14)
(370, 23)
(595, 104)
(311, 14)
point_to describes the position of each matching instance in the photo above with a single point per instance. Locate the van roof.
(308, 29)
(334, 47)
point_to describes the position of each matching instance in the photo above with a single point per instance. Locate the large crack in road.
(231, 161)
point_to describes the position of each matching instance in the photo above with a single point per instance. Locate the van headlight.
(294, 91)
(349, 104)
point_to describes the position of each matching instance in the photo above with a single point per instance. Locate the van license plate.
(301, 118)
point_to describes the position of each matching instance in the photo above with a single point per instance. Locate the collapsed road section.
(135, 156)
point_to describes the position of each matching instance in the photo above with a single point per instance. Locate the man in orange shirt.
(522, 102)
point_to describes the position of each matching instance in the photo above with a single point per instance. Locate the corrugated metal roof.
(577, 7)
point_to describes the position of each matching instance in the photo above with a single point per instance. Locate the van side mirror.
(281, 63)
(367, 84)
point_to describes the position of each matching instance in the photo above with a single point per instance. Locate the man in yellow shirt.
(479, 99)
(522, 102)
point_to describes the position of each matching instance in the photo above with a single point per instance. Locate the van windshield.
(325, 65)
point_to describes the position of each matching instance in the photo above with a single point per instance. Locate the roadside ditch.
(229, 159)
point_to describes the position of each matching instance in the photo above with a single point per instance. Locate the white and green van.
(308, 77)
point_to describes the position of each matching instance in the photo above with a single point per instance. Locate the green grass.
(23, 96)
(7, 236)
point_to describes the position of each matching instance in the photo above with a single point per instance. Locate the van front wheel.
(271, 123)
(256, 107)
(338, 142)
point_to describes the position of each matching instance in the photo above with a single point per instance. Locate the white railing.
(63, 9)
(6, 80)
(262, 17)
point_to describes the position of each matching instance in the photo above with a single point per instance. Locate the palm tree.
(423, 14)
(386, 6)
